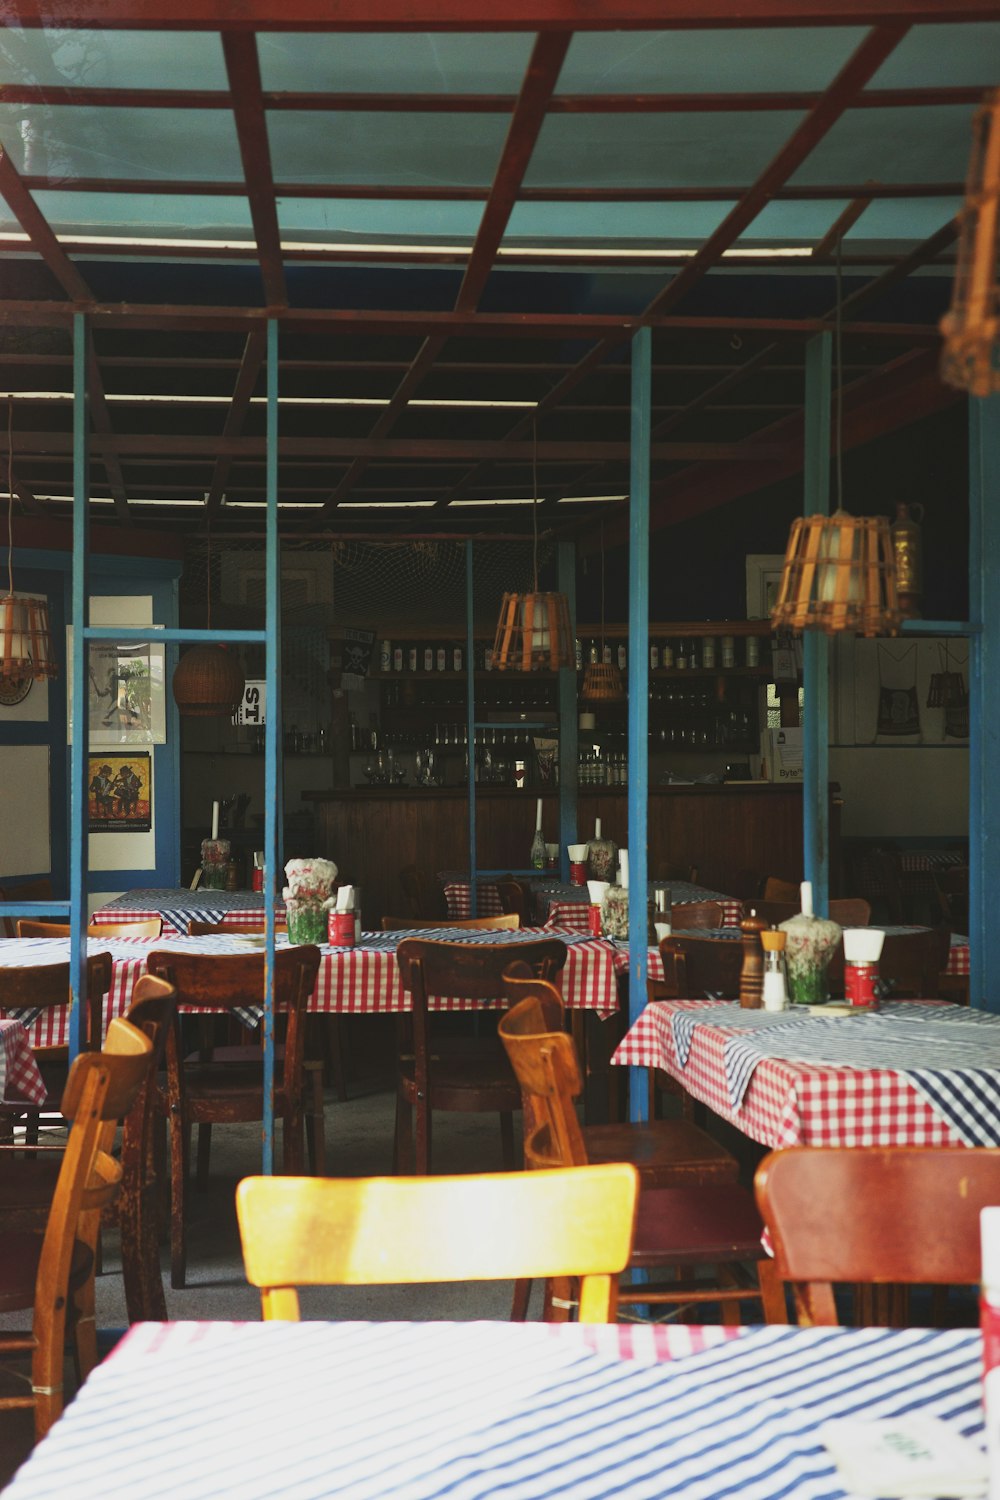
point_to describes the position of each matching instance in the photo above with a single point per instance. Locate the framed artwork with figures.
(763, 581)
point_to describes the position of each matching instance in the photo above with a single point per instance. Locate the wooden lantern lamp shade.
(25, 645)
(533, 633)
(208, 681)
(839, 574)
(971, 327)
(602, 683)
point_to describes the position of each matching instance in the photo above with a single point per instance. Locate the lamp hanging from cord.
(840, 570)
(208, 680)
(533, 632)
(602, 681)
(971, 327)
(25, 645)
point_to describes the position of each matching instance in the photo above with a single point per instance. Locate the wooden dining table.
(223, 1411)
(178, 907)
(917, 1073)
(362, 980)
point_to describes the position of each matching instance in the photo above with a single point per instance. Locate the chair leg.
(179, 1135)
(291, 1141)
(772, 1292)
(522, 1296)
(403, 1149)
(336, 1034)
(422, 1143)
(144, 1299)
(315, 1119)
(204, 1154)
(507, 1140)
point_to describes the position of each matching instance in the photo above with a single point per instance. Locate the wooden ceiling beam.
(50, 96)
(463, 193)
(864, 63)
(254, 354)
(243, 68)
(486, 15)
(100, 417)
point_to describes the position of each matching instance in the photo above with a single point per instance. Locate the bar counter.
(732, 834)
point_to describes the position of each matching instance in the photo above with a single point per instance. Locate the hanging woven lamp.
(25, 643)
(533, 632)
(208, 680)
(839, 574)
(602, 681)
(971, 327)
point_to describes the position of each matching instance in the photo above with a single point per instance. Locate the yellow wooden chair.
(495, 1226)
(146, 927)
(509, 922)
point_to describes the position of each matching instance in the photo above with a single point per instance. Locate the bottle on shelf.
(578, 654)
(385, 657)
(441, 658)
(654, 656)
(456, 658)
(667, 657)
(622, 657)
(680, 660)
(412, 656)
(538, 850)
(606, 653)
(397, 657)
(428, 658)
(592, 656)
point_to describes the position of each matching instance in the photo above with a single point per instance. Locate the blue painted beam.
(79, 839)
(144, 633)
(938, 627)
(470, 716)
(638, 696)
(984, 702)
(815, 645)
(273, 768)
(568, 739)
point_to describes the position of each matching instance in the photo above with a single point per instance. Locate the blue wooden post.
(638, 700)
(273, 769)
(79, 837)
(815, 645)
(568, 750)
(984, 702)
(470, 719)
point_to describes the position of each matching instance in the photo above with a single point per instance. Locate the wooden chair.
(149, 927)
(232, 927)
(204, 1093)
(509, 922)
(896, 1216)
(422, 896)
(913, 962)
(47, 987)
(688, 1225)
(697, 914)
(28, 1183)
(514, 899)
(782, 890)
(463, 1074)
(849, 911)
(52, 1271)
(28, 890)
(482, 1227)
(695, 965)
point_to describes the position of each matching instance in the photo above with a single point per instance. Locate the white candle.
(538, 815)
(215, 820)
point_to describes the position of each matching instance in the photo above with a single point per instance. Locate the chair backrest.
(225, 981)
(547, 1067)
(154, 1005)
(148, 927)
(776, 889)
(28, 890)
(913, 962)
(422, 896)
(312, 1231)
(849, 911)
(694, 966)
(231, 924)
(907, 1214)
(471, 971)
(509, 922)
(46, 986)
(513, 898)
(697, 914)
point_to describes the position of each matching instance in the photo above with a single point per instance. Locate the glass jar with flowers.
(309, 896)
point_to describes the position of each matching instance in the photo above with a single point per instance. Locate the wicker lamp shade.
(839, 574)
(971, 327)
(602, 683)
(533, 633)
(25, 645)
(208, 682)
(947, 690)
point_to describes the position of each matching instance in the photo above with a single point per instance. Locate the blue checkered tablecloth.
(479, 1411)
(177, 906)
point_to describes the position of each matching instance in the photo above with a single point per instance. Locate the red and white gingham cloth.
(178, 907)
(352, 981)
(458, 894)
(19, 1075)
(573, 916)
(788, 1103)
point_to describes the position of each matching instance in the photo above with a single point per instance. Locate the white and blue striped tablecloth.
(477, 1410)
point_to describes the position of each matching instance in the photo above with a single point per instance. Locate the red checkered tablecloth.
(352, 981)
(458, 894)
(177, 907)
(788, 1103)
(19, 1075)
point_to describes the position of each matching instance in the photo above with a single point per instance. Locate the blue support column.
(815, 645)
(568, 747)
(638, 695)
(470, 719)
(78, 820)
(984, 702)
(273, 769)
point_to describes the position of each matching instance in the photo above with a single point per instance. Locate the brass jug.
(907, 543)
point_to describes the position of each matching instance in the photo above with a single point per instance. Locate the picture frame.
(120, 792)
(127, 702)
(763, 580)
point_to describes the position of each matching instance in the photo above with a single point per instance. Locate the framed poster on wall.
(119, 792)
(763, 580)
(126, 692)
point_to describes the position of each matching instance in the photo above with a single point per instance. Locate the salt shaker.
(775, 987)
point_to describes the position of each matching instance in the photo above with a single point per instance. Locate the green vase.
(306, 924)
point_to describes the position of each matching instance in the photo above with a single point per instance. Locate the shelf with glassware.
(422, 735)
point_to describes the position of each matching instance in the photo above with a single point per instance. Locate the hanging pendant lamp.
(533, 631)
(840, 570)
(602, 681)
(208, 680)
(25, 644)
(971, 327)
